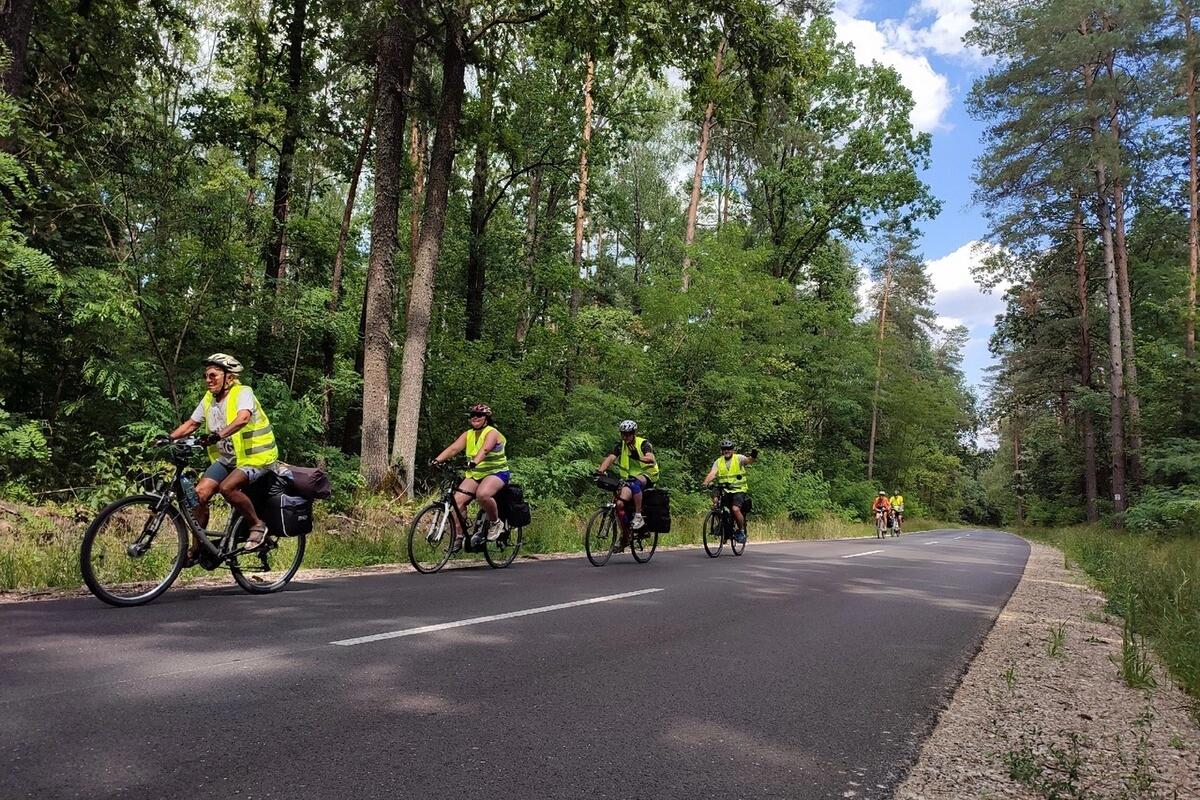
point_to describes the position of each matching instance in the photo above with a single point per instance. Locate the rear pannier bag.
(287, 515)
(310, 483)
(656, 509)
(513, 508)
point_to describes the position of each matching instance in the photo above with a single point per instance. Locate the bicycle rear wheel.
(269, 568)
(501, 552)
(430, 538)
(133, 551)
(714, 542)
(600, 536)
(642, 546)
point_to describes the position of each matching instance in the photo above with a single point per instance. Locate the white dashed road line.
(930, 542)
(856, 555)
(490, 618)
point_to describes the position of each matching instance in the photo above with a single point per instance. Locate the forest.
(704, 217)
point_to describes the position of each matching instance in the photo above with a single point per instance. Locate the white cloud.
(944, 33)
(957, 296)
(930, 89)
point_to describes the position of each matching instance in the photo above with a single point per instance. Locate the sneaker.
(740, 537)
(495, 530)
(638, 522)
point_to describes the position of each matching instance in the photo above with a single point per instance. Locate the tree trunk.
(693, 208)
(16, 21)
(883, 304)
(396, 49)
(1116, 370)
(1018, 473)
(580, 215)
(525, 315)
(476, 268)
(1132, 402)
(418, 146)
(328, 341)
(275, 250)
(433, 222)
(1087, 425)
(352, 422)
(1189, 340)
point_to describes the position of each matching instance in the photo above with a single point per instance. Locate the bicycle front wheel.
(269, 568)
(501, 552)
(600, 536)
(738, 547)
(430, 538)
(713, 539)
(643, 545)
(134, 550)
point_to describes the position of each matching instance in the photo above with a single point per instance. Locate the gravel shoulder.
(1043, 710)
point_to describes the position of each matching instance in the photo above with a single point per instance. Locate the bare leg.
(637, 498)
(738, 517)
(204, 491)
(485, 495)
(462, 499)
(232, 490)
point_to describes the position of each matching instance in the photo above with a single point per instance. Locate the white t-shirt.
(217, 419)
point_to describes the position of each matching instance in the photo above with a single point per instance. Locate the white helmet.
(225, 362)
(628, 426)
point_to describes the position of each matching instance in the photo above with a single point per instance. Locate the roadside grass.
(1153, 583)
(39, 547)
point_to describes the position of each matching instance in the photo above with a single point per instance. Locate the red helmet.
(480, 409)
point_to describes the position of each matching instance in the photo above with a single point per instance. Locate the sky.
(922, 40)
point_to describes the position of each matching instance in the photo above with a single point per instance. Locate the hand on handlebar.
(208, 439)
(161, 440)
(471, 465)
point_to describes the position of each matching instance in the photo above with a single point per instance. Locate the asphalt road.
(799, 670)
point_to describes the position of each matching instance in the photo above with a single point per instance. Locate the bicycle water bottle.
(189, 492)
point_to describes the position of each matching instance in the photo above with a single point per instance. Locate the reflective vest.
(253, 445)
(495, 461)
(732, 474)
(632, 468)
(898, 502)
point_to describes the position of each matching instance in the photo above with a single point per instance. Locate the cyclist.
(636, 465)
(487, 470)
(730, 471)
(241, 445)
(897, 503)
(881, 505)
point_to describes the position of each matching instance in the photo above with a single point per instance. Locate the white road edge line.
(856, 555)
(490, 618)
(930, 542)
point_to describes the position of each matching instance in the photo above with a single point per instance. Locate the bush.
(1161, 510)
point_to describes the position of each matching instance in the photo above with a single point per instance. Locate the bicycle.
(894, 523)
(881, 524)
(431, 538)
(127, 558)
(601, 539)
(719, 526)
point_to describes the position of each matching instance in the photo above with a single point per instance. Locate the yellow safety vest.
(631, 469)
(495, 461)
(898, 502)
(732, 473)
(253, 445)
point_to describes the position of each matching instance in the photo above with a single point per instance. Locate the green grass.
(42, 552)
(1154, 583)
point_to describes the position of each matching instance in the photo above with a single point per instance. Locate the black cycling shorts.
(735, 499)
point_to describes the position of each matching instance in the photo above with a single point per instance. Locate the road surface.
(799, 670)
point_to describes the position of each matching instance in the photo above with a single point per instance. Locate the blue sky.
(922, 40)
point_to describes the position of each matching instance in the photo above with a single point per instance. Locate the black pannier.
(513, 508)
(656, 509)
(287, 515)
(310, 483)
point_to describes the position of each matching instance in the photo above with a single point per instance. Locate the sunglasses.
(213, 376)
(474, 415)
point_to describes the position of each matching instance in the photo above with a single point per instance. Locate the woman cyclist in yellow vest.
(897, 502)
(636, 464)
(730, 471)
(487, 470)
(241, 444)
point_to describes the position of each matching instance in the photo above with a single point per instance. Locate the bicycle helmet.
(726, 444)
(628, 426)
(478, 409)
(883, 494)
(225, 362)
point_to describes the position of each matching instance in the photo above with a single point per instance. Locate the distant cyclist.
(487, 470)
(636, 465)
(882, 506)
(897, 503)
(729, 470)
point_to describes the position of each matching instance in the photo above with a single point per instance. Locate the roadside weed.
(1010, 677)
(1058, 637)
(1135, 658)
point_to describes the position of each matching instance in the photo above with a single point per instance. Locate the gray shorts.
(220, 471)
